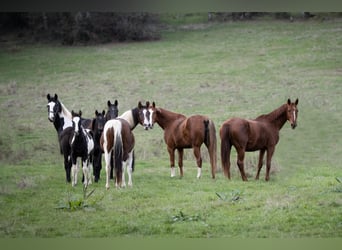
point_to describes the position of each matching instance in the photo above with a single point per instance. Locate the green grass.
(220, 70)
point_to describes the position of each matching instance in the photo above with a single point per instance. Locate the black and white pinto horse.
(82, 146)
(118, 138)
(61, 118)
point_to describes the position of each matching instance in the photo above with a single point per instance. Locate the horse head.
(112, 111)
(292, 112)
(54, 107)
(76, 121)
(147, 115)
(98, 122)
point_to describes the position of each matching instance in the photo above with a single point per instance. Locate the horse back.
(250, 134)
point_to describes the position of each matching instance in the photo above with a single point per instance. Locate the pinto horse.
(119, 139)
(128, 120)
(184, 132)
(61, 118)
(82, 145)
(261, 134)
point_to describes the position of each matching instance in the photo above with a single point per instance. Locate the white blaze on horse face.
(76, 120)
(147, 118)
(51, 114)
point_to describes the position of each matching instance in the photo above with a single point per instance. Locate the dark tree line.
(81, 27)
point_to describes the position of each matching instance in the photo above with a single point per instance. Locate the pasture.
(221, 70)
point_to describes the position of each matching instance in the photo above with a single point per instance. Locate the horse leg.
(74, 170)
(130, 168)
(172, 161)
(180, 160)
(107, 156)
(261, 159)
(85, 172)
(90, 171)
(270, 152)
(240, 163)
(67, 167)
(197, 153)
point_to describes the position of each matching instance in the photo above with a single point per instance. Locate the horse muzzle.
(148, 126)
(294, 125)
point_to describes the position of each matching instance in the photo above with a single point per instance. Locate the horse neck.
(277, 117)
(131, 116)
(65, 112)
(65, 118)
(165, 117)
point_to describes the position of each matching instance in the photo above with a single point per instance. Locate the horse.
(110, 143)
(182, 132)
(82, 145)
(119, 139)
(61, 118)
(261, 134)
(97, 129)
(112, 111)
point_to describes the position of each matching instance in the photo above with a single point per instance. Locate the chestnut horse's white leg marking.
(173, 173)
(199, 173)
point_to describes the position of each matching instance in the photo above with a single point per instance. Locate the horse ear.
(72, 113)
(153, 104)
(288, 101)
(80, 113)
(147, 104)
(48, 97)
(116, 103)
(139, 105)
(56, 97)
(296, 101)
(96, 113)
(103, 112)
(108, 103)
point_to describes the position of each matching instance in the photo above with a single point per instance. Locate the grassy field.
(217, 69)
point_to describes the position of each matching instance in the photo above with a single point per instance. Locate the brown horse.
(181, 132)
(119, 139)
(261, 134)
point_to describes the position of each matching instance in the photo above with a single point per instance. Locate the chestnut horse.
(261, 134)
(184, 132)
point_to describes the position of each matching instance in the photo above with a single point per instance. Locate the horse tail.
(206, 132)
(133, 161)
(212, 148)
(225, 148)
(118, 151)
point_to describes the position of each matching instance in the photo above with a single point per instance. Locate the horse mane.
(277, 116)
(66, 112)
(167, 113)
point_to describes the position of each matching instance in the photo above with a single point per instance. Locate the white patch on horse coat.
(128, 116)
